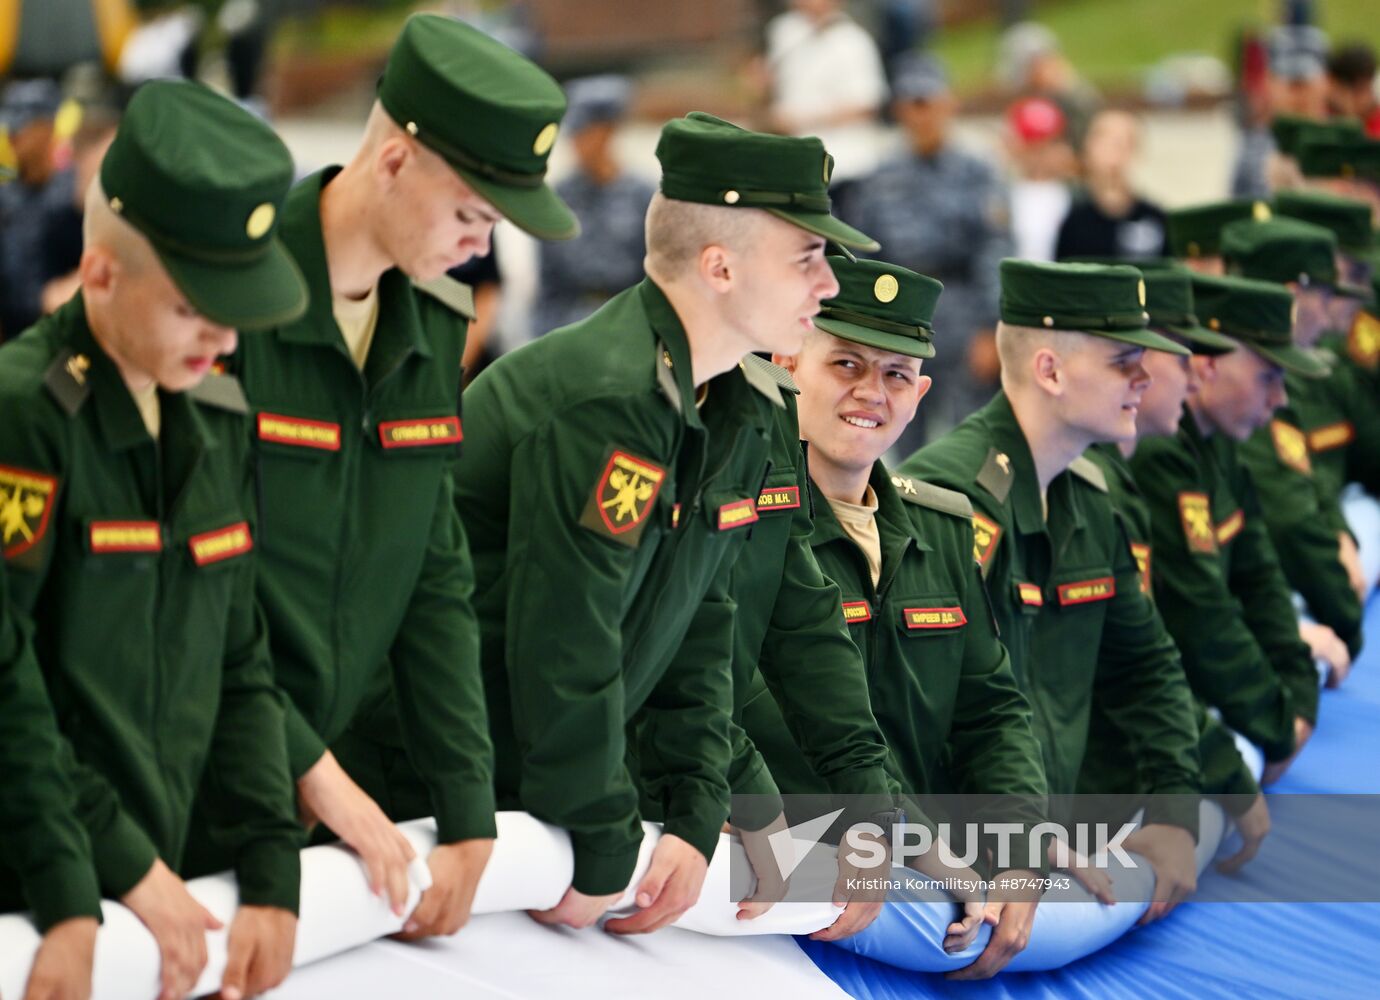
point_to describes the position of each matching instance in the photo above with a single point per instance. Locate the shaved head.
(1018, 345)
(678, 230)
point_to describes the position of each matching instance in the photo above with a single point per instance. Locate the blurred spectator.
(49, 37)
(904, 26)
(1043, 165)
(1296, 85)
(580, 275)
(943, 212)
(27, 109)
(1031, 64)
(824, 77)
(1109, 219)
(1351, 85)
(61, 238)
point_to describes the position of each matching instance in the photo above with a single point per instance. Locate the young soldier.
(365, 577)
(1106, 770)
(900, 551)
(125, 514)
(1064, 586)
(1305, 522)
(1215, 558)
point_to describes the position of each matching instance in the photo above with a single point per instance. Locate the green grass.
(1112, 42)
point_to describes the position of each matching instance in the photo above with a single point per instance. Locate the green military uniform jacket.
(605, 508)
(1301, 504)
(131, 574)
(1219, 586)
(1069, 608)
(1105, 769)
(940, 681)
(363, 562)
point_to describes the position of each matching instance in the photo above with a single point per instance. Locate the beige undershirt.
(357, 319)
(860, 522)
(150, 409)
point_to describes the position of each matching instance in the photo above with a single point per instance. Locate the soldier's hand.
(259, 953)
(62, 967)
(861, 905)
(1010, 912)
(1095, 880)
(178, 923)
(329, 794)
(575, 909)
(963, 931)
(1254, 826)
(670, 887)
(1169, 849)
(1350, 559)
(445, 907)
(1324, 644)
(771, 888)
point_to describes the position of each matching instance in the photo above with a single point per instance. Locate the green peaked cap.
(1281, 250)
(1348, 218)
(881, 305)
(1291, 132)
(490, 112)
(204, 180)
(1101, 299)
(1259, 314)
(708, 160)
(1196, 231)
(1341, 156)
(1169, 300)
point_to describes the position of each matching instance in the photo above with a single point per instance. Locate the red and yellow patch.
(623, 496)
(1031, 594)
(1363, 340)
(221, 544)
(986, 534)
(26, 502)
(1231, 527)
(856, 611)
(421, 432)
(737, 514)
(1085, 591)
(1141, 553)
(125, 536)
(299, 431)
(1196, 514)
(1291, 446)
(778, 498)
(1331, 436)
(928, 618)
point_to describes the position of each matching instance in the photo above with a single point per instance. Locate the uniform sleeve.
(1224, 770)
(1140, 686)
(1303, 525)
(1225, 664)
(685, 730)
(439, 688)
(563, 645)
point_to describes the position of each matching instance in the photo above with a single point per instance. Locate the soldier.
(942, 212)
(1194, 233)
(1106, 770)
(1210, 539)
(580, 275)
(939, 681)
(1064, 586)
(365, 577)
(1309, 533)
(126, 515)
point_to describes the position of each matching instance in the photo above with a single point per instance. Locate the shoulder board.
(996, 476)
(666, 379)
(223, 392)
(922, 494)
(66, 380)
(457, 296)
(758, 375)
(1084, 468)
(779, 375)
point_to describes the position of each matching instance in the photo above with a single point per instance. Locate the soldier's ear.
(1047, 369)
(716, 267)
(98, 270)
(786, 361)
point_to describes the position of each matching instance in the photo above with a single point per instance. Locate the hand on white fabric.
(1350, 559)
(326, 793)
(1326, 646)
(1010, 912)
(771, 888)
(178, 924)
(575, 909)
(1254, 827)
(259, 951)
(963, 931)
(62, 966)
(670, 887)
(1095, 880)
(861, 906)
(445, 907)
(1169, 849)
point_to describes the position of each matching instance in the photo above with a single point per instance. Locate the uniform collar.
(672, 343)
(1009, 440)
(1116, 464)
(892, 517)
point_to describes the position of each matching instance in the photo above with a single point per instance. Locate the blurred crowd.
(859, 75)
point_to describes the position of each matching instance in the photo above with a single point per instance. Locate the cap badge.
(260, 221)
(886, 288)
(828, 167)
(1260, 212)
(1140, 290)
(546, 138)
(731, 197)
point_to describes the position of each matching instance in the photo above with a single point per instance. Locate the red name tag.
(299, 431)
(1084, 591)
(1031, 594)
(927, 618)
(125, 536)
(778, 498)
(414, 433)
(223, 543)
(737, 514)
(856, 611)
